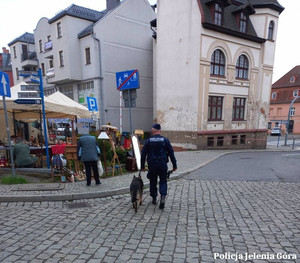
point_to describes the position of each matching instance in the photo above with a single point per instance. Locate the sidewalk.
(188, 161)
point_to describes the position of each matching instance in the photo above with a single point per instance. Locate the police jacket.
(157, 149)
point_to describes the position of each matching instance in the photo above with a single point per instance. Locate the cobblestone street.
(202, 221)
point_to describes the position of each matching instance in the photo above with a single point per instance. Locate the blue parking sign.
(4, 85)
(92, 103)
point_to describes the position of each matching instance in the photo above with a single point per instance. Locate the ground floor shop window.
(85, 89)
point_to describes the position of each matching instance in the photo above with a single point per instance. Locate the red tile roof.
(290, 79)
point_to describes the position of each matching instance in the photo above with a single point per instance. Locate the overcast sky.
(20, 16)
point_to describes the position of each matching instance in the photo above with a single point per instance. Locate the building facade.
(5, 65)
(80, 50)
(213, 70)
(284, 91)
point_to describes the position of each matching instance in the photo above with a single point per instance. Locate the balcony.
(29, 59)
(28, 56)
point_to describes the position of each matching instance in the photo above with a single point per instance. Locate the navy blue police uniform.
(157, 149)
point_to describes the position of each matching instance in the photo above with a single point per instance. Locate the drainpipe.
(101, 100)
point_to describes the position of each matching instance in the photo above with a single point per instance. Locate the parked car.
(276, 131)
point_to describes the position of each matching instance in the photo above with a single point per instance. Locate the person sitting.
(58, 150)
(22, 156)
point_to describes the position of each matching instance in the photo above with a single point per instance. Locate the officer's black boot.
(162, 202)
(154, 200)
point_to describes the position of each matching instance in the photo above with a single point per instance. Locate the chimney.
(111, 4)
(4, 50)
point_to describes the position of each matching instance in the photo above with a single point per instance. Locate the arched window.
(271, 30)
(217, 66)
(218, 15)
(242, 67)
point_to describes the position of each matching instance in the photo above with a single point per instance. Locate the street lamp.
(288, 120)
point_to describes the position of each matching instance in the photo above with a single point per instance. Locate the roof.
(230, 10)
(26, 38)
(290, 79)
(79, 12)
(90, 29)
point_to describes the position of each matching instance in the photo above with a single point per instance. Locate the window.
(292, 113)
(295, 93)
(43, 69)
(41, 46)
(218, 15)
(242, 67)
(271, 30)
(215, 105)
(273, 95)
(243, 139)
(238, 110)
(85, 89)
(292, 79)
(58, 29)
(210, 142)
(243, 23)
(61, 58)
(87, 56)
(51, 63)
(234, 140)
(68, 91)
(217, 66)
(15, 53)
(220, 141)
(17, 73)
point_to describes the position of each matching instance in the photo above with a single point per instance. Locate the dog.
(136, 191)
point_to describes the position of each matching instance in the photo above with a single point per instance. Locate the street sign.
(128, 80)
(28, 101)
(30, 87)
(25, 73)
(4, 85)
(92, 103)
(28, 95)
(34, 79)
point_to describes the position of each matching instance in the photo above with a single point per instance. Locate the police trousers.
(158, 170)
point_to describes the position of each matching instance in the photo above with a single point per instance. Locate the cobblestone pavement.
(202, 221)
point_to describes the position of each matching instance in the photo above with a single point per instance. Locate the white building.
(79, 51)
(213, 70)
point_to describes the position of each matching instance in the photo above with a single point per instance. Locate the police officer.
(157, 149)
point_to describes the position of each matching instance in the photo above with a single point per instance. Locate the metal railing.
(28, 55)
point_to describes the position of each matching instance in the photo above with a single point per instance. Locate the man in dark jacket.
(157, 149)
(88, 152)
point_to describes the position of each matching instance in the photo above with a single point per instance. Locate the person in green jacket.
(22, 156)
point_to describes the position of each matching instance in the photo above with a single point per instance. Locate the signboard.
(30, 87)
(92, 103)
(4, 85)
(28, 95)
(128, 80)
(25, 73)
(34, 79)
(28, 101)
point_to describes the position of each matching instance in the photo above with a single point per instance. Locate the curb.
(119, 191)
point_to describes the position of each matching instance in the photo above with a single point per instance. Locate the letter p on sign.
(92, 103)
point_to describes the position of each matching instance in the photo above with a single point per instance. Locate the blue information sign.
(4, 85)
(92, 103)
(128, 80)
(28, 101)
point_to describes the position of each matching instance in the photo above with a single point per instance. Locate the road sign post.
(44, 115)
(5, 92)
(127, 83)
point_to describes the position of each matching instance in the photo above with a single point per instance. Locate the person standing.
(88, 152)
(67, 131)
(157, 149)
